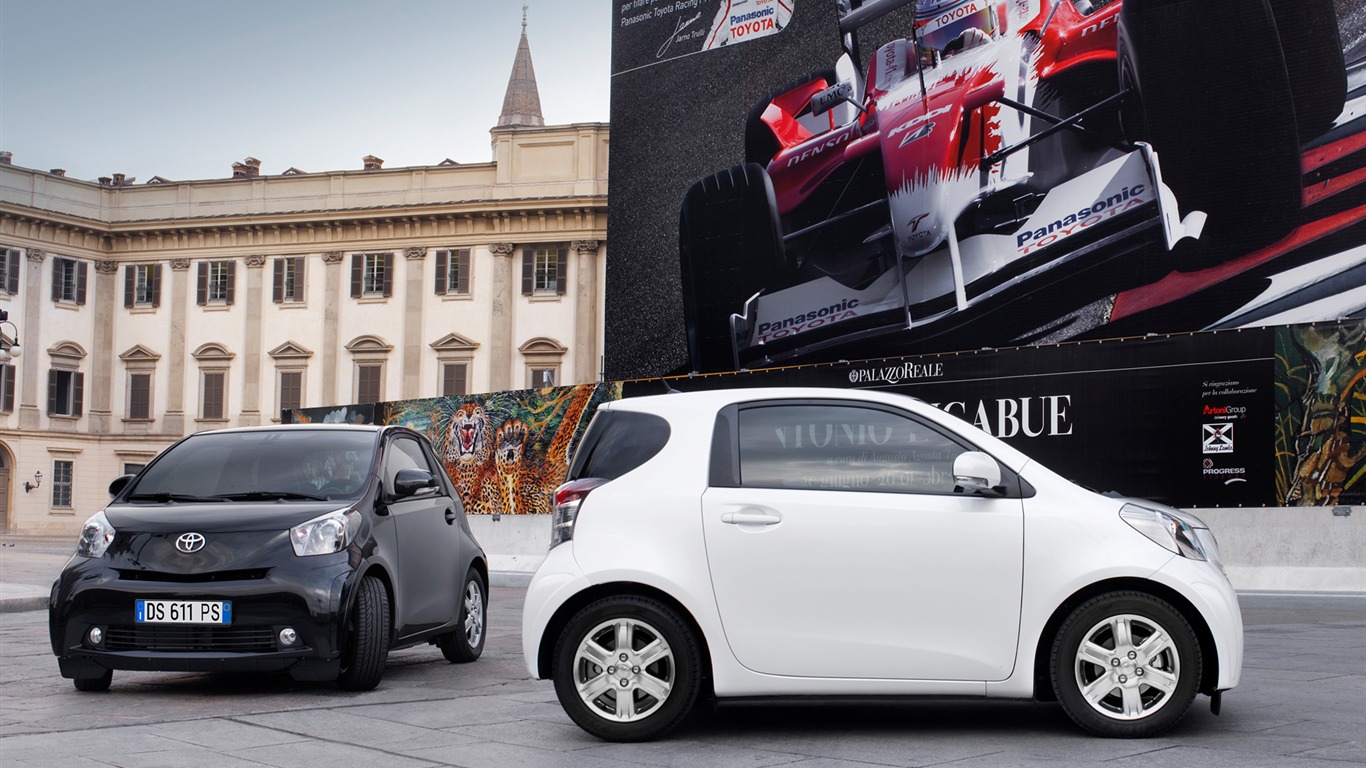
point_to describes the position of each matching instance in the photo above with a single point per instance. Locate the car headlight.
(324, 535)
(1174, 531)
(96, 535)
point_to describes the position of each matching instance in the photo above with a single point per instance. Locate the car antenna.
(669, 388)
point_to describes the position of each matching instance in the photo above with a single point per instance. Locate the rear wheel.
(100, 683)
(627, 669)
(1210, 91)
(730, 247)
(1126, 665)
(466, 643)
(367, 642)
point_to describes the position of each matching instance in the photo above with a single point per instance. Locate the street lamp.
(9, 344)
(37, 481)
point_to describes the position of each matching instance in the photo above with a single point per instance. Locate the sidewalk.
(28, 566)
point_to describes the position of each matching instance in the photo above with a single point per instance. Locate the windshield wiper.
(269, 495)
(165, 497)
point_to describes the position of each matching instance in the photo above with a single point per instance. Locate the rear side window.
(617, 442)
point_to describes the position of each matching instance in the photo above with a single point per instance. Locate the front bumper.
(308, 595)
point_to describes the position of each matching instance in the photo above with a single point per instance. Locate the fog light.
(95, 635)
(288, 636)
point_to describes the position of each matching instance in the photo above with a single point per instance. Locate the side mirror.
(411, 481)
(119, 483)
(828, 99)
(976, 472)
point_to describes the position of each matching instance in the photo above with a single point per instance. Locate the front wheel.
(466, 643)
(367, 643)
(100, 683)
(627, 669)
(1126, 665)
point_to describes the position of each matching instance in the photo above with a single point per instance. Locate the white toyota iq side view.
(826, 542)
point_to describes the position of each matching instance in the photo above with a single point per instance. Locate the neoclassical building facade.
(145, 312)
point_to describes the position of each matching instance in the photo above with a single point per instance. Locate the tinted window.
(617, 442)
(285, 460)
(843, 448)
(403, 453)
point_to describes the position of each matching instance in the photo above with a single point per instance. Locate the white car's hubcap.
(623, 669)
(1127, 667)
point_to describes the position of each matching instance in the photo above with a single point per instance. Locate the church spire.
(522, 102)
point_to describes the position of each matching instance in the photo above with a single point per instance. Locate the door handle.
(450, 514)
(751, 518)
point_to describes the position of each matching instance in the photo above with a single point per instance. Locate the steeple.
(522, 103)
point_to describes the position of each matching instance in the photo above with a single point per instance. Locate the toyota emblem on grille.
(190, 542)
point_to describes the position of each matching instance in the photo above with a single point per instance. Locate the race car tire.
(1218, 108)
(730, 247)
(760, 143)
(1314, 60)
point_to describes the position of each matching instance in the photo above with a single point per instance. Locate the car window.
(404, 453)
(300, 461)
(843, 448)
(617, 442)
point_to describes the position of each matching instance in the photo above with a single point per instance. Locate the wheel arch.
(1209, 650)
(545, 653)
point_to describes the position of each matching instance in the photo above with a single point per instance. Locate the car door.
(838, 547)
(428, 530)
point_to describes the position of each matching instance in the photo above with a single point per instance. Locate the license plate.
(183, 612)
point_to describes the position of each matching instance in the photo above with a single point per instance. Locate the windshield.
(264, 465)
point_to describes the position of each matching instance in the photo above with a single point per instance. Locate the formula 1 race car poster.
(819, 180)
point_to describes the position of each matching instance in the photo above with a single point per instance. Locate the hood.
(216, 517)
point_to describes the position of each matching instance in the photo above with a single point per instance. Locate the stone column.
(31, 340)
(413, 299)
(501, 317)
(101, 387)
(332, 298)
(251, 351)
(585, 341)
(179, 357)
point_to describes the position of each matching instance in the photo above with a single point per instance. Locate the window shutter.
(388, 274)
(128, 273)
(463, 274)
(77, 393)
(156, 285)
(51, 391)
(81, 268)
(442, 270)
(279, 291)
(357, 269)
(528, 271)
(13, 277)
(562, 271)
(202, 297)
(57, 278)
(7, 403)
(232, 281)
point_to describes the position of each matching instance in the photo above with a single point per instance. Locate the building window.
(291, 390)
(132, 469)
(543, 358)
(453, 272)
(62, 476)
(212, 407)
(65, 392)
(368, 382)
(216, 282)
(141, 285)
(540, 378)
(9, 270)
(372, 274)
(289, 279)
(140, 396)
(544, 271)
(68, 280)
(6, 388)
(454, 380)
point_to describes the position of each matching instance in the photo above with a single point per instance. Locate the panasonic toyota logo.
(190, 542)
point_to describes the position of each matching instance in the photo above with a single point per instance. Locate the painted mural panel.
(1321, 407)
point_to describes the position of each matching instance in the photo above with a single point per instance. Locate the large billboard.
(799, 181)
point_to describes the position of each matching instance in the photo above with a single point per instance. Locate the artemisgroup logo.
(1216, 438)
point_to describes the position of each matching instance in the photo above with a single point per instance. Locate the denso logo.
(833, 141)
(1089, 216)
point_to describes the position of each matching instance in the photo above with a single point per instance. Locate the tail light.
(568, 497)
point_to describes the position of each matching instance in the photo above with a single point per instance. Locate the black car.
(313, 549)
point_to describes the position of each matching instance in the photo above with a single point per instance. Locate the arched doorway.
(6, 463)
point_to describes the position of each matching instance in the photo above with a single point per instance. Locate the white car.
(827, 542)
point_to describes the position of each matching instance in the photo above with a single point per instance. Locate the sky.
(185, 88)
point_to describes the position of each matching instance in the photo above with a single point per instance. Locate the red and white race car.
(998, 148)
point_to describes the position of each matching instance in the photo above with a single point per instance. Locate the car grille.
(173, 638)
(254, 574)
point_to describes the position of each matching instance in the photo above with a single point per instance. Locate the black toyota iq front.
(312, 550)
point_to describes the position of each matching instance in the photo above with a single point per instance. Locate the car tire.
(96, 684)
(730, 247)
(367, 643)
(1314, 60)
(1147, 652)
(466, 643)
(662, 682)
(760, 143)
(1218, 108)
